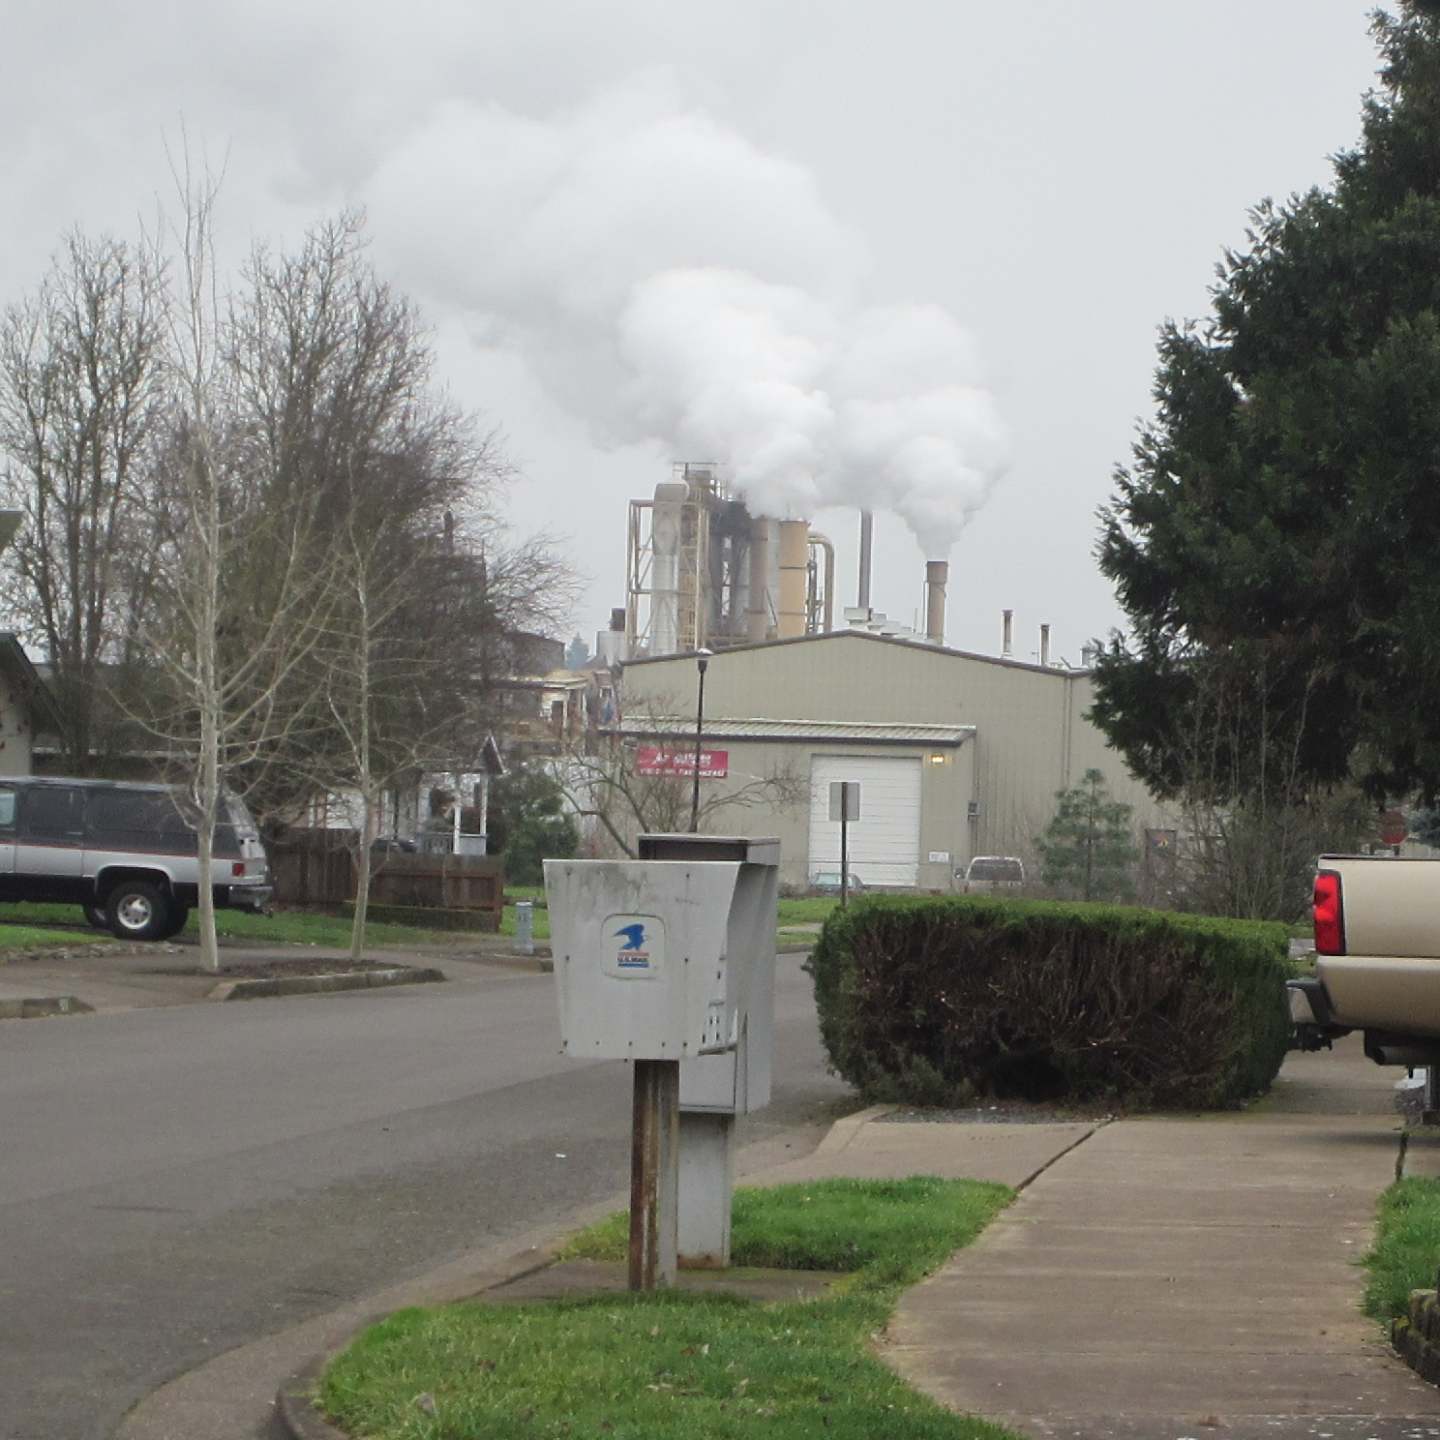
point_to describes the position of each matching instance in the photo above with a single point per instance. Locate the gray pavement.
(181, 1180)
(1157, 1277)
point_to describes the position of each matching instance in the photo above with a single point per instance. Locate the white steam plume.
(669, 281)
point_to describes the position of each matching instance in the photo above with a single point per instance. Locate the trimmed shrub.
(942, 1001)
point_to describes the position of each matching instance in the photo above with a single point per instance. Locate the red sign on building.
(677, 760)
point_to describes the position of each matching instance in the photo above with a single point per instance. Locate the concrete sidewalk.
(1183, 1277)
(1156, 1278)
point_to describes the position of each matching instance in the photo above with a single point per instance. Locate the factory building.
(956, 754)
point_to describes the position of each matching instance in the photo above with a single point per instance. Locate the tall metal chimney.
(794, 578)
(937, 576)
(867, 544)
(1044, 644)
(1007, 633)
(757, 612)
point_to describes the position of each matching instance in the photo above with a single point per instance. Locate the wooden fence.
(316, 868)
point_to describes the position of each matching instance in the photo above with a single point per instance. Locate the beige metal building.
(956, 754)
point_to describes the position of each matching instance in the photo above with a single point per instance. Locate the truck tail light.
(238, 869)
(1329, 914)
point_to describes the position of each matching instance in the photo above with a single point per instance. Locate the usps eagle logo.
(633, 954)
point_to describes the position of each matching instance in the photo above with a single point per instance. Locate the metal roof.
(852, 732)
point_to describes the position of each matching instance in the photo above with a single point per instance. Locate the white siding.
(885, 841)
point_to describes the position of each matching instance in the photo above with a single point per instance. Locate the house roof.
(821, 731)
(16, 667)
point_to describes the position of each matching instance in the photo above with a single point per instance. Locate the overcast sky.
(925, 242)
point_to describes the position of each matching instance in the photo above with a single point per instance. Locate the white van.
(127, 853)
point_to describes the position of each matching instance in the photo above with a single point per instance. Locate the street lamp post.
(702, 661)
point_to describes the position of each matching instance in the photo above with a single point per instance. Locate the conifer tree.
(1275, 534)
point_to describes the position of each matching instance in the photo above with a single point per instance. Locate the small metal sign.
(844, 800)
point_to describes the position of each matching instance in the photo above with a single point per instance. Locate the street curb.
(323, 984)
(513, 960)
(42, 1006)
(844, 1130)
(295, 1412)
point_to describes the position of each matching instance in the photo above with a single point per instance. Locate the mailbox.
(659, 958)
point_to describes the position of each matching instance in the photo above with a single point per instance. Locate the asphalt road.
(177, 1182)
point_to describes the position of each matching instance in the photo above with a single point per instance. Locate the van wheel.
(179, 914)
(97, 915)
(137, 910)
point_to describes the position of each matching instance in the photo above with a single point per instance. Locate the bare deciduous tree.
(82, 370)
(603, 782)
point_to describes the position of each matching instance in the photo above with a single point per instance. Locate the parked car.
(126, 853)
(827, 882)
(392, 845)
(989, 874)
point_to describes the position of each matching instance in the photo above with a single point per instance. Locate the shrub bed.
(942, 1001)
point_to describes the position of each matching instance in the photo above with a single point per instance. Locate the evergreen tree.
(577, 654)
(529, 823)
(1272, 540)
(1087, 851)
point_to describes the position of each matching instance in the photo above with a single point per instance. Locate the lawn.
(678, 1366)
(1407, 1247)
(29, 937)
(297, 927)
(284, 927)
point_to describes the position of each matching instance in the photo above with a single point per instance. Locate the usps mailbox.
(671, 958)
(653, 959)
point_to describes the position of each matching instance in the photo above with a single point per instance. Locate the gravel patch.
(1004, 1112)
(276, 969)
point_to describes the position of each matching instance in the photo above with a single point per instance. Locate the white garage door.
(885, 840)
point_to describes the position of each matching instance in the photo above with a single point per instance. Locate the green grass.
(790, 938)
(807, 911)
(680, 1366)
(1407, 1247)
(284, 927)
(27, 937)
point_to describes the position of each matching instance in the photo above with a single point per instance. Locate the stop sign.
(1393, 828)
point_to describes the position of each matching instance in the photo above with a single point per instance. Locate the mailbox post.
(656, 962)
(715, 1088)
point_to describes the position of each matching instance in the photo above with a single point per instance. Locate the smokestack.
(867, 544)
(757, 609)
(1044, 644)
(794, 578)
(937, 575)
(1007, 630)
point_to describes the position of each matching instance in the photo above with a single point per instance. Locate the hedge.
(944, 1001)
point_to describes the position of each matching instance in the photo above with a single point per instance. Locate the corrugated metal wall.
(1032, 738)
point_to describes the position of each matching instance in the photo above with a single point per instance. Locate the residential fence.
(316, 869)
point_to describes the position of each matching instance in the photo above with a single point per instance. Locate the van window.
(137, 820)
(51, 812)
(7, 808)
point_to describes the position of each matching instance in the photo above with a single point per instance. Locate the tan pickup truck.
(1377, 959)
